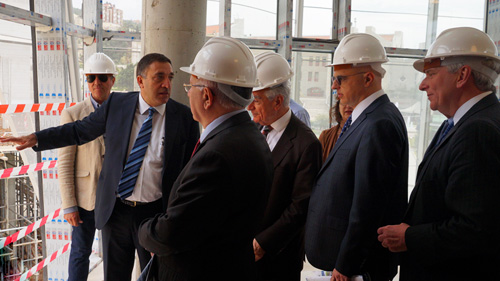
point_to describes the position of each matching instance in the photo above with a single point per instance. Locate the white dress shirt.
(148, 185)
(364, 104)
(279, 127)
(467, 106)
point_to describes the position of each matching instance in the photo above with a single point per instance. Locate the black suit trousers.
(120, 239)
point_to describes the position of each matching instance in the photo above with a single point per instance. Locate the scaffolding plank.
(79, 31)
(121, 35)
(18, 15)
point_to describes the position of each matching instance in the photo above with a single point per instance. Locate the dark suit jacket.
(454, 212)
(214, 207)
(297, 160)
(114, 119)
(362, 185)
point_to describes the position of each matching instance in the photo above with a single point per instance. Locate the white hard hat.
(225, 60)
(100, 63)
(464, 42)
(229, 62)
(359, 49)
(272, 70)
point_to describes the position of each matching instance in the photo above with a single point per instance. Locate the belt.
(133, 203)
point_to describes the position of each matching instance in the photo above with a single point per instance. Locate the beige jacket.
(79, 166)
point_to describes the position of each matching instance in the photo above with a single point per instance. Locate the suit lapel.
(127, 109)
(232, 121)
(431, 150)
(376, 103)
(285, 143)
(171, 125)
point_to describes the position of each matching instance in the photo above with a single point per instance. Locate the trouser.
(81, 246)
(120, 239)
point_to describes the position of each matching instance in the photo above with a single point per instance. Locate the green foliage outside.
(125, 79)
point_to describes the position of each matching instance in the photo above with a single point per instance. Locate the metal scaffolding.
(18, 207)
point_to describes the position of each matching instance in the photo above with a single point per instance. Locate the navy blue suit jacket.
(114, 119)
(454, 212)
(362, 185)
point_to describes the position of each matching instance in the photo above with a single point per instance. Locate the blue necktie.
(134, 161)
(346, 126)
(448, 127)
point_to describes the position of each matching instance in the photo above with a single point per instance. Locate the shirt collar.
(364, 104)
(280, 124)
(467, 106)
(219, 120)
(95, 104)
(144, 106)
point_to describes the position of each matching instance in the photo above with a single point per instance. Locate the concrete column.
(176, 29)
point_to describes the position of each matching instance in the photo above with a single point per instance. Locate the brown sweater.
(328, 138)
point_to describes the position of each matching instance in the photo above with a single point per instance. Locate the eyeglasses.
(187, 87)
(102, 77)
(341, 78)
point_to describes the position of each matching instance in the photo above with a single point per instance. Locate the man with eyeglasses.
(148, 138)
(79, 167)
(363, 182)
(217, 202)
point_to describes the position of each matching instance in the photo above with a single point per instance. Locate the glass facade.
(406, 27)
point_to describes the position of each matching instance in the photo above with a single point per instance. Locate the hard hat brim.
(187, 69)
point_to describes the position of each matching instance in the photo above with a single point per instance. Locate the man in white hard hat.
(450, 230)
(149, 138)
(217, 202)
(364, 181)
(296, 153)
(79, 167)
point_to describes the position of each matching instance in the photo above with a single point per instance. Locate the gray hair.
(281, 89)
(482, 82)
(220, 97)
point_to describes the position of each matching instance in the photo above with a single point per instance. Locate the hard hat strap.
(474, 62)
(226, 89)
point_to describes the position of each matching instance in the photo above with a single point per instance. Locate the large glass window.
(316, 22)
(455, 13)
(254, 19)
(400, 24)
(117, 16)
(311, 87)
(16, 73)
(213, 18)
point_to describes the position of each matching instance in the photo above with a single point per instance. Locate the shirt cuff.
(70, 210)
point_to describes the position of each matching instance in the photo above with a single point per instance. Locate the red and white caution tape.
(16, 171)
(28, 229)
(35, 107)
(43, 263)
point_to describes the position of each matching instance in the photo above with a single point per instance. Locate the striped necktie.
(346, 126)
(135, 158)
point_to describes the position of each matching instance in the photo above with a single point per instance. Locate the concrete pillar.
(176, 29)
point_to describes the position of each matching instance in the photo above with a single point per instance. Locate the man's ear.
(278, 102)
(140, 82)
(369, 77)
(464, 73)
(207, 97)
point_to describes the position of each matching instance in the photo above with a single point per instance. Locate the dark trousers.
(120, 239)
(81, 246)
(278, 269)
